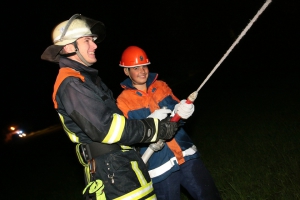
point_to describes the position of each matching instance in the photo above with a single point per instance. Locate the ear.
(69, 48)
(126, 71)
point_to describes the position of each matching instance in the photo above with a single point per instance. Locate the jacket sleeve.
(93, 118)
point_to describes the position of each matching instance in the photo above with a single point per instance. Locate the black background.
(184, 40)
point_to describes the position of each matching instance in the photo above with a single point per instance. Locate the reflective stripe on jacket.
(136, 104)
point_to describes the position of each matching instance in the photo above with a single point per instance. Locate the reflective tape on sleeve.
(115, 130)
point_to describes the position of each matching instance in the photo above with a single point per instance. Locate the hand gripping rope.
(192, 97)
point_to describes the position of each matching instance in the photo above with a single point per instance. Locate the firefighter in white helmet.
(90, 117)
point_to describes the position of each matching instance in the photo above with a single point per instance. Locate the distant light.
(12, 128)
(22, 135)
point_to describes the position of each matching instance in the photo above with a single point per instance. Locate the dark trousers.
(118, 176)
(194, 177)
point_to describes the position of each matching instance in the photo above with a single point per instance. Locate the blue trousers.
(194, 177)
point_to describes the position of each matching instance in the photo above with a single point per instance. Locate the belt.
(95, 149)
(98, 149)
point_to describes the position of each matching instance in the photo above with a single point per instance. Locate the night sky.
(184, 40)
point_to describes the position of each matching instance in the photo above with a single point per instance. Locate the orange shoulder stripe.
(62, 74)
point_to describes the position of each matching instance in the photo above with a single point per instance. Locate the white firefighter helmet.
(69, 31)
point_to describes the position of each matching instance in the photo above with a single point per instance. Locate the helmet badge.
(141, 58)
(62, 29)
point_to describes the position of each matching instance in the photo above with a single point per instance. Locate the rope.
(236, 42)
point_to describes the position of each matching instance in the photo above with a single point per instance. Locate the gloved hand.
(160, 113)
(167, 129)
(183, 109)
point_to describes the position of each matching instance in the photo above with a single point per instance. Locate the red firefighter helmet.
(134, 56)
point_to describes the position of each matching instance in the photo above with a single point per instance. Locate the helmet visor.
(76, 27)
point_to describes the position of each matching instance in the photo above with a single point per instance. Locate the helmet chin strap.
(82, 59)
(78, 54)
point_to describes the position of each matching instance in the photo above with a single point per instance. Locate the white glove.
(183, 109)
(160, 113)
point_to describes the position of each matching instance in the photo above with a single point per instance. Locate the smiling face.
(138, 75)
(87, 48)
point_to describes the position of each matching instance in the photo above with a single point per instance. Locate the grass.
(255, 164)
(252, 148)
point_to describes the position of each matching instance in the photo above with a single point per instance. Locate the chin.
(92, 61)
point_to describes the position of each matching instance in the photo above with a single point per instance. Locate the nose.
(141, 69)
(94, 45)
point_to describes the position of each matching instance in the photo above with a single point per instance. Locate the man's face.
(87, 47)
(138, 74)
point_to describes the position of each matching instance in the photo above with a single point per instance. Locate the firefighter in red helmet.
(178, 162)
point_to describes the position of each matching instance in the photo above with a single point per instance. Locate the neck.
(140, 87)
